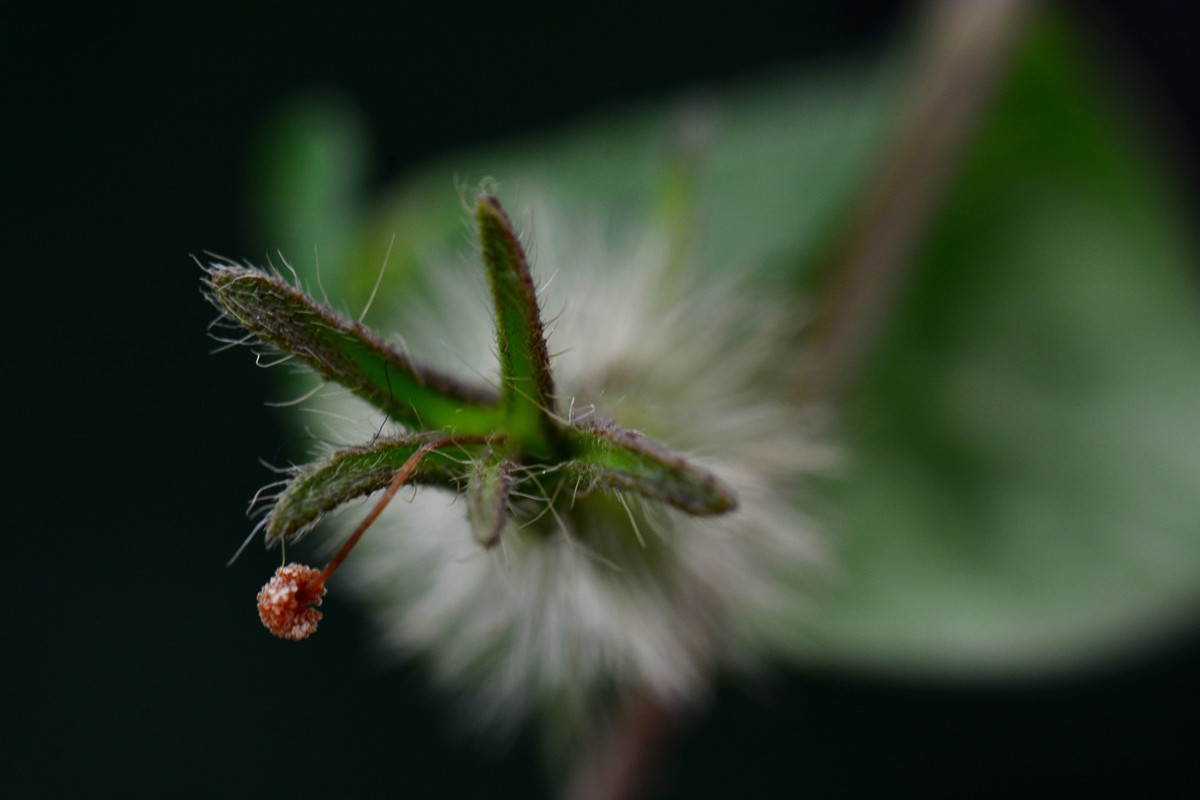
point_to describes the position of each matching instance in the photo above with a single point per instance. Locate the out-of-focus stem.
(962, 54)
(623, 764)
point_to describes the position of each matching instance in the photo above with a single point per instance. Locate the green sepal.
(353, 472)
(488, 489)
(346, 352)
(526, 386)
(607, 456)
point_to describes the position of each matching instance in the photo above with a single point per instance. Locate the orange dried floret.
(287, 603)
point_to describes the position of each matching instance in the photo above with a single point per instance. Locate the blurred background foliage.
(1015, 521)
(1024, 448)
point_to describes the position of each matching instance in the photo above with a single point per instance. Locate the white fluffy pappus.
(579, 602)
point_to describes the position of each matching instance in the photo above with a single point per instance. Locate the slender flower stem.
(626, 763)
(965, 50)
(402, 475)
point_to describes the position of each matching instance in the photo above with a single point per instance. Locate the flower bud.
(287, 603)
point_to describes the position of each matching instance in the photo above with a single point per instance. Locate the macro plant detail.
(601, 561)
(610, 463)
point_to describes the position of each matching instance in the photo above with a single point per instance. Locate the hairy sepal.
(608, 456)
(353, 472)
(526, 385)
(344, 351)
(488, 490)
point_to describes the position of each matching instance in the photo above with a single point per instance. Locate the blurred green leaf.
(307, 182)
(1024, 451)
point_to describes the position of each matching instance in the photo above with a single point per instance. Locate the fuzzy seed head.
(586, 589)
(287, 603)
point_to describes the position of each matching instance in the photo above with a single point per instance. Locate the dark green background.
(133, 659)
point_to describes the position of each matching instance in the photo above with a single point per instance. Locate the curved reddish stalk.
(402, 475)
